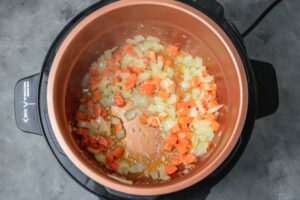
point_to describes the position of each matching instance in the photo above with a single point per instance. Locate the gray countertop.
(270, 166)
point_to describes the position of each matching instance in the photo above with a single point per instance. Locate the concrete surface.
(269, 168)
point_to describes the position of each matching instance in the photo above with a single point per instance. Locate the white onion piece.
(214, 109)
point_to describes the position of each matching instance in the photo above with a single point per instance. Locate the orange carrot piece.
(163, 94)
(117, 127)
(143, 119)
(214, 125)
(80, 116)
(175, 129)
(170, 169)
(168, 62)
(118, 57)
(82, 131)
(195, 82)
(104, 113)
(146, 60)
(118, 99)
(94, 72)
(101, 148)
(156, 81)
(125, 70)
(97, 110)
(111, 62)
(118, 152)
(151, 121)
(114, 164)
(204, 72)
(173, 50)
(151, 55)
(106, 73)
(135, 69)
(209, 146)
(90, 105)
(189, 158)
(103, 141)
(116, 80)
(115, 68)
(177, 160)
(148, 89)
(97, 95)
(181, 148)
(110, 156)
(130, 81)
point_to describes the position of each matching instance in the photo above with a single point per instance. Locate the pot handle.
(25, 102)
(267, 88)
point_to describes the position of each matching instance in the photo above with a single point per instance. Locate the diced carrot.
(125, 70)
(94, 81)
(110, 156)
(118, 152)
(103, 141)
(209, 116)
(188, 135)
(111, 62)
(93, 141)
(201, 85)
(173, 50)
(191, 103)
(163, 94)
(167, 147)
(97, 110)
(183, 126)
(170, 169)
(195, 82)
(168, 62)
(97, 95)
(175, 129)
(116, 80)
(209, 146)
(143, 119)
(125, 47)
(177, 160)
(117, 127)
(213, 86)
(151, 121)
(109, 141)
(186, 142)
(80, 116)
(85, 141)
(135, 69)
(148, 89)
(129, 82)
(83, 99)
(106, 73)
(90, 105)
(82, 131)
(204, 72)
(118, 56)
(189, 158)
(156, 81)
(101, 148)
(118, 99)
(94, 72)
(171, 139)
(104, 113)
(128, 49)
(151, 55)
(181, 148)
(115, 68)
(114, 164)
(214, 125)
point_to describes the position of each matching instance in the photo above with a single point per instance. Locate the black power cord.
(261, 17)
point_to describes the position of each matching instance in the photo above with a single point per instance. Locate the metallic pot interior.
(174, 23)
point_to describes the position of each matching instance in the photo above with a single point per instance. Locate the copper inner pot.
(174, 23)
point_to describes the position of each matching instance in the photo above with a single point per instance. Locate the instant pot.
(45, 102)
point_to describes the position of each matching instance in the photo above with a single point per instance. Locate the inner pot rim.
(160, 189)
